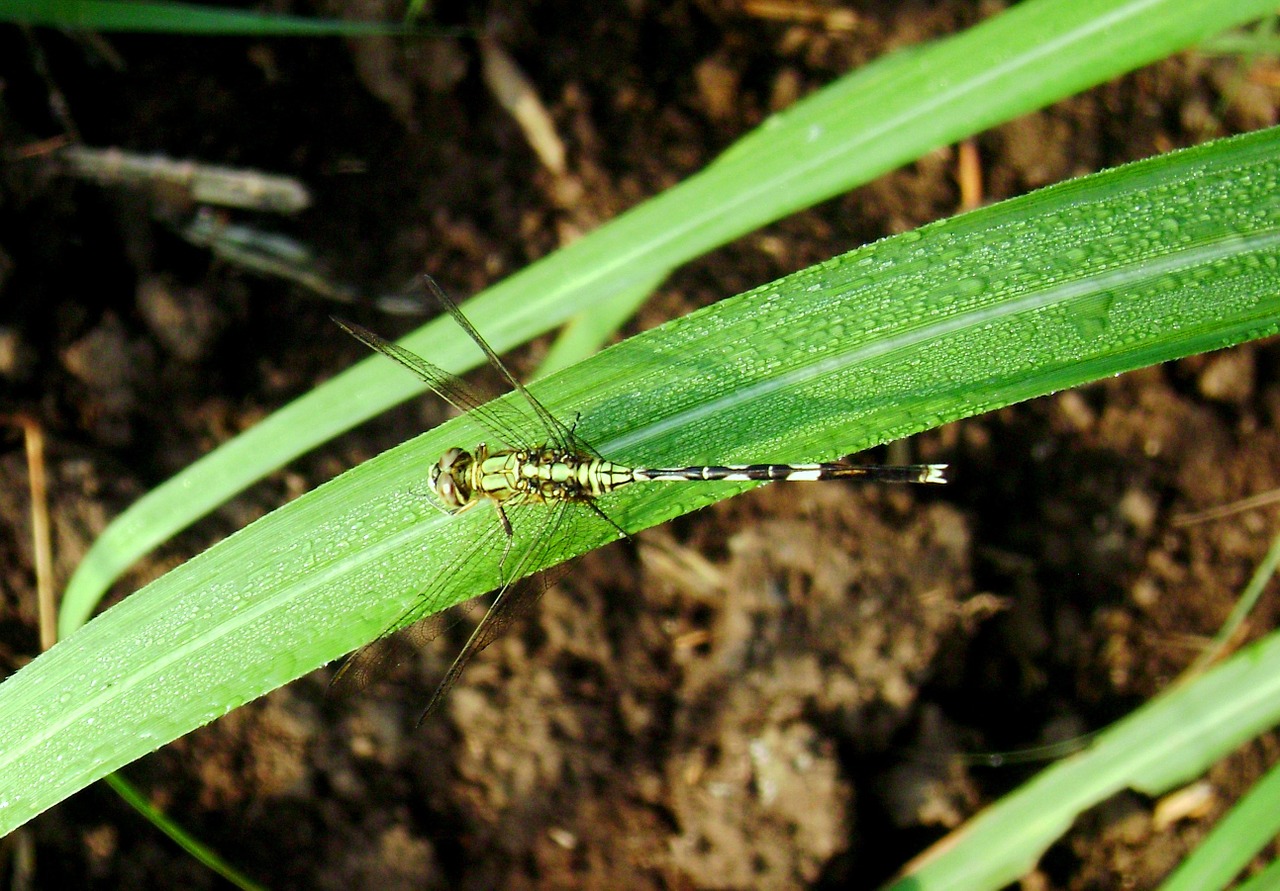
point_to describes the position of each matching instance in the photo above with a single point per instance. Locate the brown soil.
(772, 693)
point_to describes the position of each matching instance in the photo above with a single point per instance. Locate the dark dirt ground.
(695, 709)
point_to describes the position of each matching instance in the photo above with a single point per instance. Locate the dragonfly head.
(448, 478)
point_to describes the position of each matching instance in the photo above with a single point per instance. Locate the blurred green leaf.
(179, 18)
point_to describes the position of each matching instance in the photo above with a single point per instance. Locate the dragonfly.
(552, 470)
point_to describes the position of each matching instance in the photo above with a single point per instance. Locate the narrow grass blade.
(1266, 880)
(179, 18)
(1236, 840)
(1166, 742)
(1262, 576)
(180, 836)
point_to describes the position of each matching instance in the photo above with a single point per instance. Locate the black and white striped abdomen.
(910, 473)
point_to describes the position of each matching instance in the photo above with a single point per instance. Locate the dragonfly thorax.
(463, 479)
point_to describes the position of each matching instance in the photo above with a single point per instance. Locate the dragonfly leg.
(595, 508)
(470, 504)
(506, 550)
(435, 503)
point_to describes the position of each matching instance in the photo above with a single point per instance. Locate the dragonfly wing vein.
(560, 434)
(419, 625)
(516, 596)
(499, 418)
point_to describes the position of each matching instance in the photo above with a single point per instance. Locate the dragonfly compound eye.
(445, 483)
(448, 491)
(448, 459)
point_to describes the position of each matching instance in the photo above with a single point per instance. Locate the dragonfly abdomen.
(910, 473)
(547, 476)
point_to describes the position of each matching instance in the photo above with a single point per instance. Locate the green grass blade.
(1259, 40)
(864, 124)
(1248, 599)
(587, 332)
(178, 18)
(1187, 729)
(180, 836)
(1266, 880)
(1237, 839)
(1159, 747)
(1009, 302)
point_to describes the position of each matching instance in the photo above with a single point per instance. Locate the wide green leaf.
(1138, 265)
(882, 116)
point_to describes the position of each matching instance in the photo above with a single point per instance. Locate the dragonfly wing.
(557, 432)
(417, 626)
(506, 422)
(515, 598)
(502, 422)
(376, 660)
